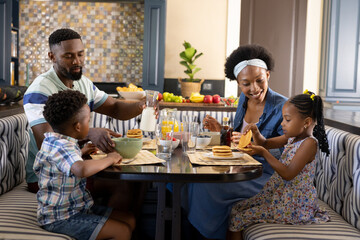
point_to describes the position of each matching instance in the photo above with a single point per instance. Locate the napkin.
(244, 160)
(142, 158)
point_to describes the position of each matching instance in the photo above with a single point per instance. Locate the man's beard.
(75, 76)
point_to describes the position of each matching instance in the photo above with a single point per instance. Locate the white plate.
(132, 95)
(145, 140)
(236, 155)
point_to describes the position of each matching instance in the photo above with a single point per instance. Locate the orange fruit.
(245, 140)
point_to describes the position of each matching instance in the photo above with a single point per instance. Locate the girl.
(289, 197)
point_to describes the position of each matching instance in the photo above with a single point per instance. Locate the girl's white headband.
(252, 62)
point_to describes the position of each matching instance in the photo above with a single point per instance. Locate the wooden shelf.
(219, 107)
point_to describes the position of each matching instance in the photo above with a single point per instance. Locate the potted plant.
(188, 56)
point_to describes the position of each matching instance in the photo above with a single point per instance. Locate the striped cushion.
(336, 229)
(18, 216)
(119, 126)
(14, 139)
(338, 175)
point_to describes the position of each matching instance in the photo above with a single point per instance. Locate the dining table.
(177, 170)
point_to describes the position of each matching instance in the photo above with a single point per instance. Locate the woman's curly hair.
(247, 52)
(311, 105)
(62, 107)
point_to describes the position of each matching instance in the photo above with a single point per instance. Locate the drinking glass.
(164, 134)
(189, 137)
(148, 118)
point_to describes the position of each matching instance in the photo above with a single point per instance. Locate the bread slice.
(245, 140)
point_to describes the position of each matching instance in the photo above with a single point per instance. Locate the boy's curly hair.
(62, 34)
(62, 107)
(247, 52)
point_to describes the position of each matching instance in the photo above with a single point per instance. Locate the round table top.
(180, 169)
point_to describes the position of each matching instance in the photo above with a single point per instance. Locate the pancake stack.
(134, 133)
(222, 151)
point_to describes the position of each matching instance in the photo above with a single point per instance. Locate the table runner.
(245, 160)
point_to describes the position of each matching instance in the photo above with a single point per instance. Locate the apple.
(216, 98)
(208, 99)
(160, 97)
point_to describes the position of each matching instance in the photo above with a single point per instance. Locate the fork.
(129, 161)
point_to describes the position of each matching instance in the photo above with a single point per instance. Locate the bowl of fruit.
(175, 143)
(132, 92)
(203, 140)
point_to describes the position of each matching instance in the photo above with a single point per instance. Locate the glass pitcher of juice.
(168, 116)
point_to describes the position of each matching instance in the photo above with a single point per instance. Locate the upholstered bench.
(338, 184)
(17, 206)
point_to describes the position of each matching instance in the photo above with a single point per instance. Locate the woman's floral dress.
(281, 201)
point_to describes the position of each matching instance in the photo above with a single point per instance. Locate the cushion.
(18, 216)
(14, 139)
(337, 177)
(335, 229)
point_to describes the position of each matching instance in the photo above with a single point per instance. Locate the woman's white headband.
(252, 62)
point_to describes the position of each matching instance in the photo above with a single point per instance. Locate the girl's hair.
(62, 107)
(311, 105)
(247, 52)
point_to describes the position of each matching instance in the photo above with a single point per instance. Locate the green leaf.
(185, 64)
(200, 54)
(196, 70)
(192, 66)
(190, 52)
(186, 45)
(183, 56)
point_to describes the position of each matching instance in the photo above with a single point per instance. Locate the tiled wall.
(112, 33)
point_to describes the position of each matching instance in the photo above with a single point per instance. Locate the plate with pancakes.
(222, 152)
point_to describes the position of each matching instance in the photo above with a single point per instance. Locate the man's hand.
(101, 137)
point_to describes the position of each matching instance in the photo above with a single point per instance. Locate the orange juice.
(176, 125)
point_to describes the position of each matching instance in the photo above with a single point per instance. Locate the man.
(67, 54)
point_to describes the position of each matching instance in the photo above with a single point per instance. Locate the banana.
(196, 97)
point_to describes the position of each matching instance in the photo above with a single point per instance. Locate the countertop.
(12, 109)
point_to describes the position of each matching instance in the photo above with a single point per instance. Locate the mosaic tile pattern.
(112, 33)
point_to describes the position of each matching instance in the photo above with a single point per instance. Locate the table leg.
(176, 212)
(160, 212)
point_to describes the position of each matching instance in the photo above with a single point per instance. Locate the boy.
(64, 204)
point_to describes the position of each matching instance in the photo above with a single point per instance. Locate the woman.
(209, 204)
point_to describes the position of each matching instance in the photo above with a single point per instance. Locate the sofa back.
(103, 121)
(337, 177)
(14, 139)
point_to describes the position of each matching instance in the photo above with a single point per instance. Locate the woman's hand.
(236, 137)
(253, 128)
(101, 137)
(211, 123)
